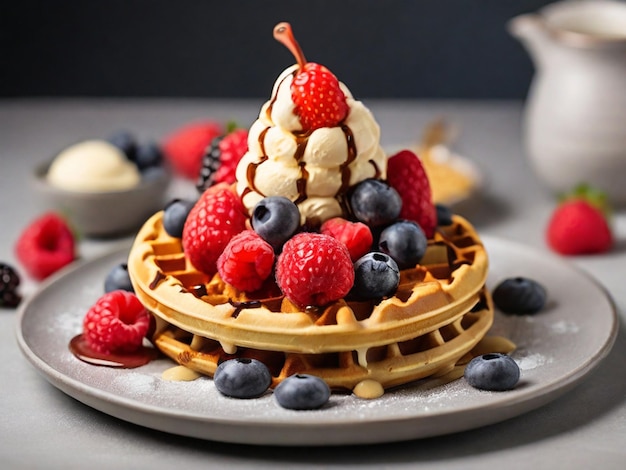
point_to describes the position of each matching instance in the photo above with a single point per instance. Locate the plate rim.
(299, 431)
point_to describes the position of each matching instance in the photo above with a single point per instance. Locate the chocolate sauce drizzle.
(239, 306)
(345, 166)
(81, 349)
(157, 279)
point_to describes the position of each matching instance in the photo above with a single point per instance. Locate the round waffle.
(439, 313)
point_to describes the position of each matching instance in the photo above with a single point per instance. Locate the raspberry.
(116, 323)
(314, 269)
(185, 147)
(315, 91)
(407, 176)
(356, 236)
(217, 216)
(246, 261)
(45, 246)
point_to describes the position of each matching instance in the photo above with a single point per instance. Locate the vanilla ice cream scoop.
(93, 166)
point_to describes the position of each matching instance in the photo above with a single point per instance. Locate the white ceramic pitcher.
(575, 116)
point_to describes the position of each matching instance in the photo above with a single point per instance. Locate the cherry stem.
(284, 35)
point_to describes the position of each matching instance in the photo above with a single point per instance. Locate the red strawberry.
(45, 246)
(314, 269)
(185, 147)
(216, 217)
(220, 160)
(246, 261)
(117, 322)
(356, 236)
(406, 175)
(315, 91)
(579, 224)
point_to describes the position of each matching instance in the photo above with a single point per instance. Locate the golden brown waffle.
(440, 312)
(392, 364)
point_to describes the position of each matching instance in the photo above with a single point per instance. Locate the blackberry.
(9, 281)
(210, 165)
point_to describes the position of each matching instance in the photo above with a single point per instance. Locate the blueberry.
(375, 203)
(125, 141)
(493, 371)
(376, 275)
(519, 296)
(444, 215)
(302, 392)
(118, 279)
(174, 216)
(405, 242)
(148, 155)
(242, 378)
(275, 219)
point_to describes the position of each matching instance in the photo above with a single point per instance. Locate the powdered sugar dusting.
(532, 361)
(564, 327)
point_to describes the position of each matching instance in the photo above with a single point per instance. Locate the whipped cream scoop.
(312, 168)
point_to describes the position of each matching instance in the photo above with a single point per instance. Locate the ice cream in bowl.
(105, 188)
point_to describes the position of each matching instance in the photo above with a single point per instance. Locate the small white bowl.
(105, 214)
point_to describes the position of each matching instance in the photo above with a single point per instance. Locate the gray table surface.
(40, 427)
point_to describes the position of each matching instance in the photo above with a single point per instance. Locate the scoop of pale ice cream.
(314, 169)
(93, 166)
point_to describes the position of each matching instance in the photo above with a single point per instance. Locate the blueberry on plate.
(118, 279)
(376, 275)
(174, 216)
(375, 203)
(302, 392)
(405, 242)
(492, 372)
(242, 378)
(519, 296)
(275, 219)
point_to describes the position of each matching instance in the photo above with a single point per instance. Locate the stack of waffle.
(438, 315)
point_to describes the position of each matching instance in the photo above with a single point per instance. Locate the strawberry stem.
(284, 35)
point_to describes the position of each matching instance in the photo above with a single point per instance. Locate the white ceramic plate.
(557, 348)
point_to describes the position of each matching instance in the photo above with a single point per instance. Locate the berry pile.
(358, 256)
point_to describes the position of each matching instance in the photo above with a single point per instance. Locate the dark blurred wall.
(186, 48)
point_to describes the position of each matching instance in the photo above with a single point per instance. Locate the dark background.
(195, 48)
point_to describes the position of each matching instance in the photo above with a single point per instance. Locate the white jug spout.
(531, 30)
